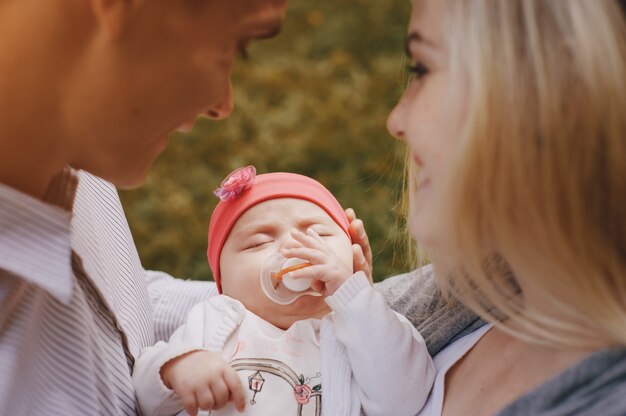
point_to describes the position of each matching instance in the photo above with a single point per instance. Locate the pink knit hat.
(242, 189)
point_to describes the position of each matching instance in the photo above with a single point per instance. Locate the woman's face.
(420, 118)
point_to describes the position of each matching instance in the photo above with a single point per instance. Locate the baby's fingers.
(311, 255)
(221, 394)
(306, 239)
(205, 399)
(318, 286)
(316, 272)
(189, 403)
(237, 394)
(315, 236)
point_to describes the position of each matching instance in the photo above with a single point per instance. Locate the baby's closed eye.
(322, 230)
(257, 243)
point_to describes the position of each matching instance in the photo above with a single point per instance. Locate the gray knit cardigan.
(595, 386)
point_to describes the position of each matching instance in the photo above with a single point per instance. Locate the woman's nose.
(395, 121)
(223, 107)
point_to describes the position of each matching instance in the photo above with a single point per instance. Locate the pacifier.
(277, 284)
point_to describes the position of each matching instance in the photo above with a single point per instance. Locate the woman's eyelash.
(418, 70)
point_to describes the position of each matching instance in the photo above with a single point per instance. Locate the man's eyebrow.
(415, 36)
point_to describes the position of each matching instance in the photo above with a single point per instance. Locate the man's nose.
(223, 107)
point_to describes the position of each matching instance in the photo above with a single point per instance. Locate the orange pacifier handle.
(278, 276)
(278, 285)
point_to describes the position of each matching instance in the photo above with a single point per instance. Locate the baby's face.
(262, 231)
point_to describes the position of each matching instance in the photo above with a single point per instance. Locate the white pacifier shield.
(295, 285)
(284, 290)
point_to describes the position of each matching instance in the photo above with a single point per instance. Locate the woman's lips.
(422, 180)
(417, 160)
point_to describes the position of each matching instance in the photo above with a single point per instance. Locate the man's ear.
(112, 15)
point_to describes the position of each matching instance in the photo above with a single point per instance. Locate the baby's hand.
(203, 380)
(327, 271)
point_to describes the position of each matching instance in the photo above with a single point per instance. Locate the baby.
(268, 347)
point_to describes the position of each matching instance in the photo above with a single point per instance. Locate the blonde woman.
(515, 119)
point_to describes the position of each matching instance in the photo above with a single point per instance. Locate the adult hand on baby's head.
(328, 271)
(203, 380)
(361, 250)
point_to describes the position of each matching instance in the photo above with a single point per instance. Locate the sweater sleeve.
(208, 327)
(172, 299)
(388, 357)
(417, 296)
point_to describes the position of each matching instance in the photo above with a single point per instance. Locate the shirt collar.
(35, 235)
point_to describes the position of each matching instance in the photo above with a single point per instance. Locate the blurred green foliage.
(314, 101)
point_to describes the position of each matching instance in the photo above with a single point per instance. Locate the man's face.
(170, 61)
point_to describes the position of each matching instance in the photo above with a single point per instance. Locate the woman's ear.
(112, 15)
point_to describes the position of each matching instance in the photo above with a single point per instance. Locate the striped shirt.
(76, 306)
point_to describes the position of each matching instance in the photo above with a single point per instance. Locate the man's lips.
(186, 126)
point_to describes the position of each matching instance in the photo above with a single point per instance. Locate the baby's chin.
(304, 308)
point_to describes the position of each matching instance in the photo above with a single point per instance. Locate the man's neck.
(31, 85)
(27, 168)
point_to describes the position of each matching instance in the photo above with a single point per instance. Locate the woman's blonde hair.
(539, 183)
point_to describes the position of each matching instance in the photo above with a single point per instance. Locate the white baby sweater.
(373, 361)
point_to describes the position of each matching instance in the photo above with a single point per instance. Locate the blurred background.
(313, 101)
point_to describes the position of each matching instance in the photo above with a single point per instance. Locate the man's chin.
(130, 182)
(121, 178)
